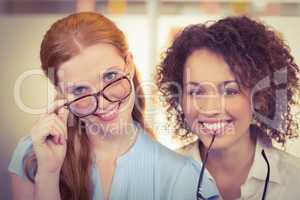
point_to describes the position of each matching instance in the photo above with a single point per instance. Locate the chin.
(221, 142)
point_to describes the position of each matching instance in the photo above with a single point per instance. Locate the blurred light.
(260, 5)
(240, 8)
(117, 6)
(210, 8)
(85, 5)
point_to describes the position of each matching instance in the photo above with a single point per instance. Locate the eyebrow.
(230, 81)
(201, 83)
(114, 68)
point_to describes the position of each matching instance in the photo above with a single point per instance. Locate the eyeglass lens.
(113, 92)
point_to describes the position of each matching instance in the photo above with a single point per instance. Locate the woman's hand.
(49, 137)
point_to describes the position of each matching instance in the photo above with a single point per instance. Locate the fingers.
(48, 133)
(53, 118)
(49, 128)
(55, 136)
(52, 126)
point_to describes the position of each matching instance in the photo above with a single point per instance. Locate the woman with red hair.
(92, 143)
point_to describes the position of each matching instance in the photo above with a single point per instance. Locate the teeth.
(214, 126)
(109, 113)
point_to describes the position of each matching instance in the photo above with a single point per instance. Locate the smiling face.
(89, 72)
(213, 102)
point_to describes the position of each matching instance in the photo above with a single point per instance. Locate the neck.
(232, 161)
(110, 145)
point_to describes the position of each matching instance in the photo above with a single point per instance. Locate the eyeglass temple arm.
(199, 195)
(268, 175)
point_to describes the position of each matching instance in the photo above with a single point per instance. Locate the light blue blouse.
(148, 171)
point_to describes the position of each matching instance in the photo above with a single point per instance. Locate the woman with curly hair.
(233, 83)
(92, 143)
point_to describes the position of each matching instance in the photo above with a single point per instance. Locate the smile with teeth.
(216, 128)
(109, 115)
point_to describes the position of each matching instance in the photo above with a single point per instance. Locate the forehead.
(206, 66)
(91, 63)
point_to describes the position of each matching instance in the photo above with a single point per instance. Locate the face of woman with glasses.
(97, 85)
(213, 102)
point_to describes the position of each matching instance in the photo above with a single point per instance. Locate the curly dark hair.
(255, 53)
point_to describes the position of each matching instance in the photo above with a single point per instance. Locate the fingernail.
(62, 141)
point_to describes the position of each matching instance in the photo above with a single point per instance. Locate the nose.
(211, 105)
(102, 102)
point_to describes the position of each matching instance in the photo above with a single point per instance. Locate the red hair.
(65, 39)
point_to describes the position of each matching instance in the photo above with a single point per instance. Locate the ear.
(130, 66)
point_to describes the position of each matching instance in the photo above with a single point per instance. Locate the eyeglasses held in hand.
(199, 195)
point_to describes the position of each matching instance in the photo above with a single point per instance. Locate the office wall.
(21, 36)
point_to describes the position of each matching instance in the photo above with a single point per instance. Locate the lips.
(108, 115)
(215, 127)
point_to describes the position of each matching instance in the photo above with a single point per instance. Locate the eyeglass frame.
(97, 94)
(199, 195)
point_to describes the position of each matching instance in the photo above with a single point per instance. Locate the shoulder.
(288, 165)
(24, 141)
(166, 159)
(288, 168)
(177, 160)
(23, 147)
(166, 156)
(287, 158)
(185, 178)
(190, 150)
(176, 175)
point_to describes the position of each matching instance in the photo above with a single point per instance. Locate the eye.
(231, 91)
(230, 88)
(110, 76)
(80, 90)
(196, 92)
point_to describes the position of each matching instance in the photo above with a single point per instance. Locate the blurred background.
(149, 26)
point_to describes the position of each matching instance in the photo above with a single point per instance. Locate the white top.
(284, 173)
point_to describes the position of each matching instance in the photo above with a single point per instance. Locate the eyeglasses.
(199, 195)
(116, 91)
